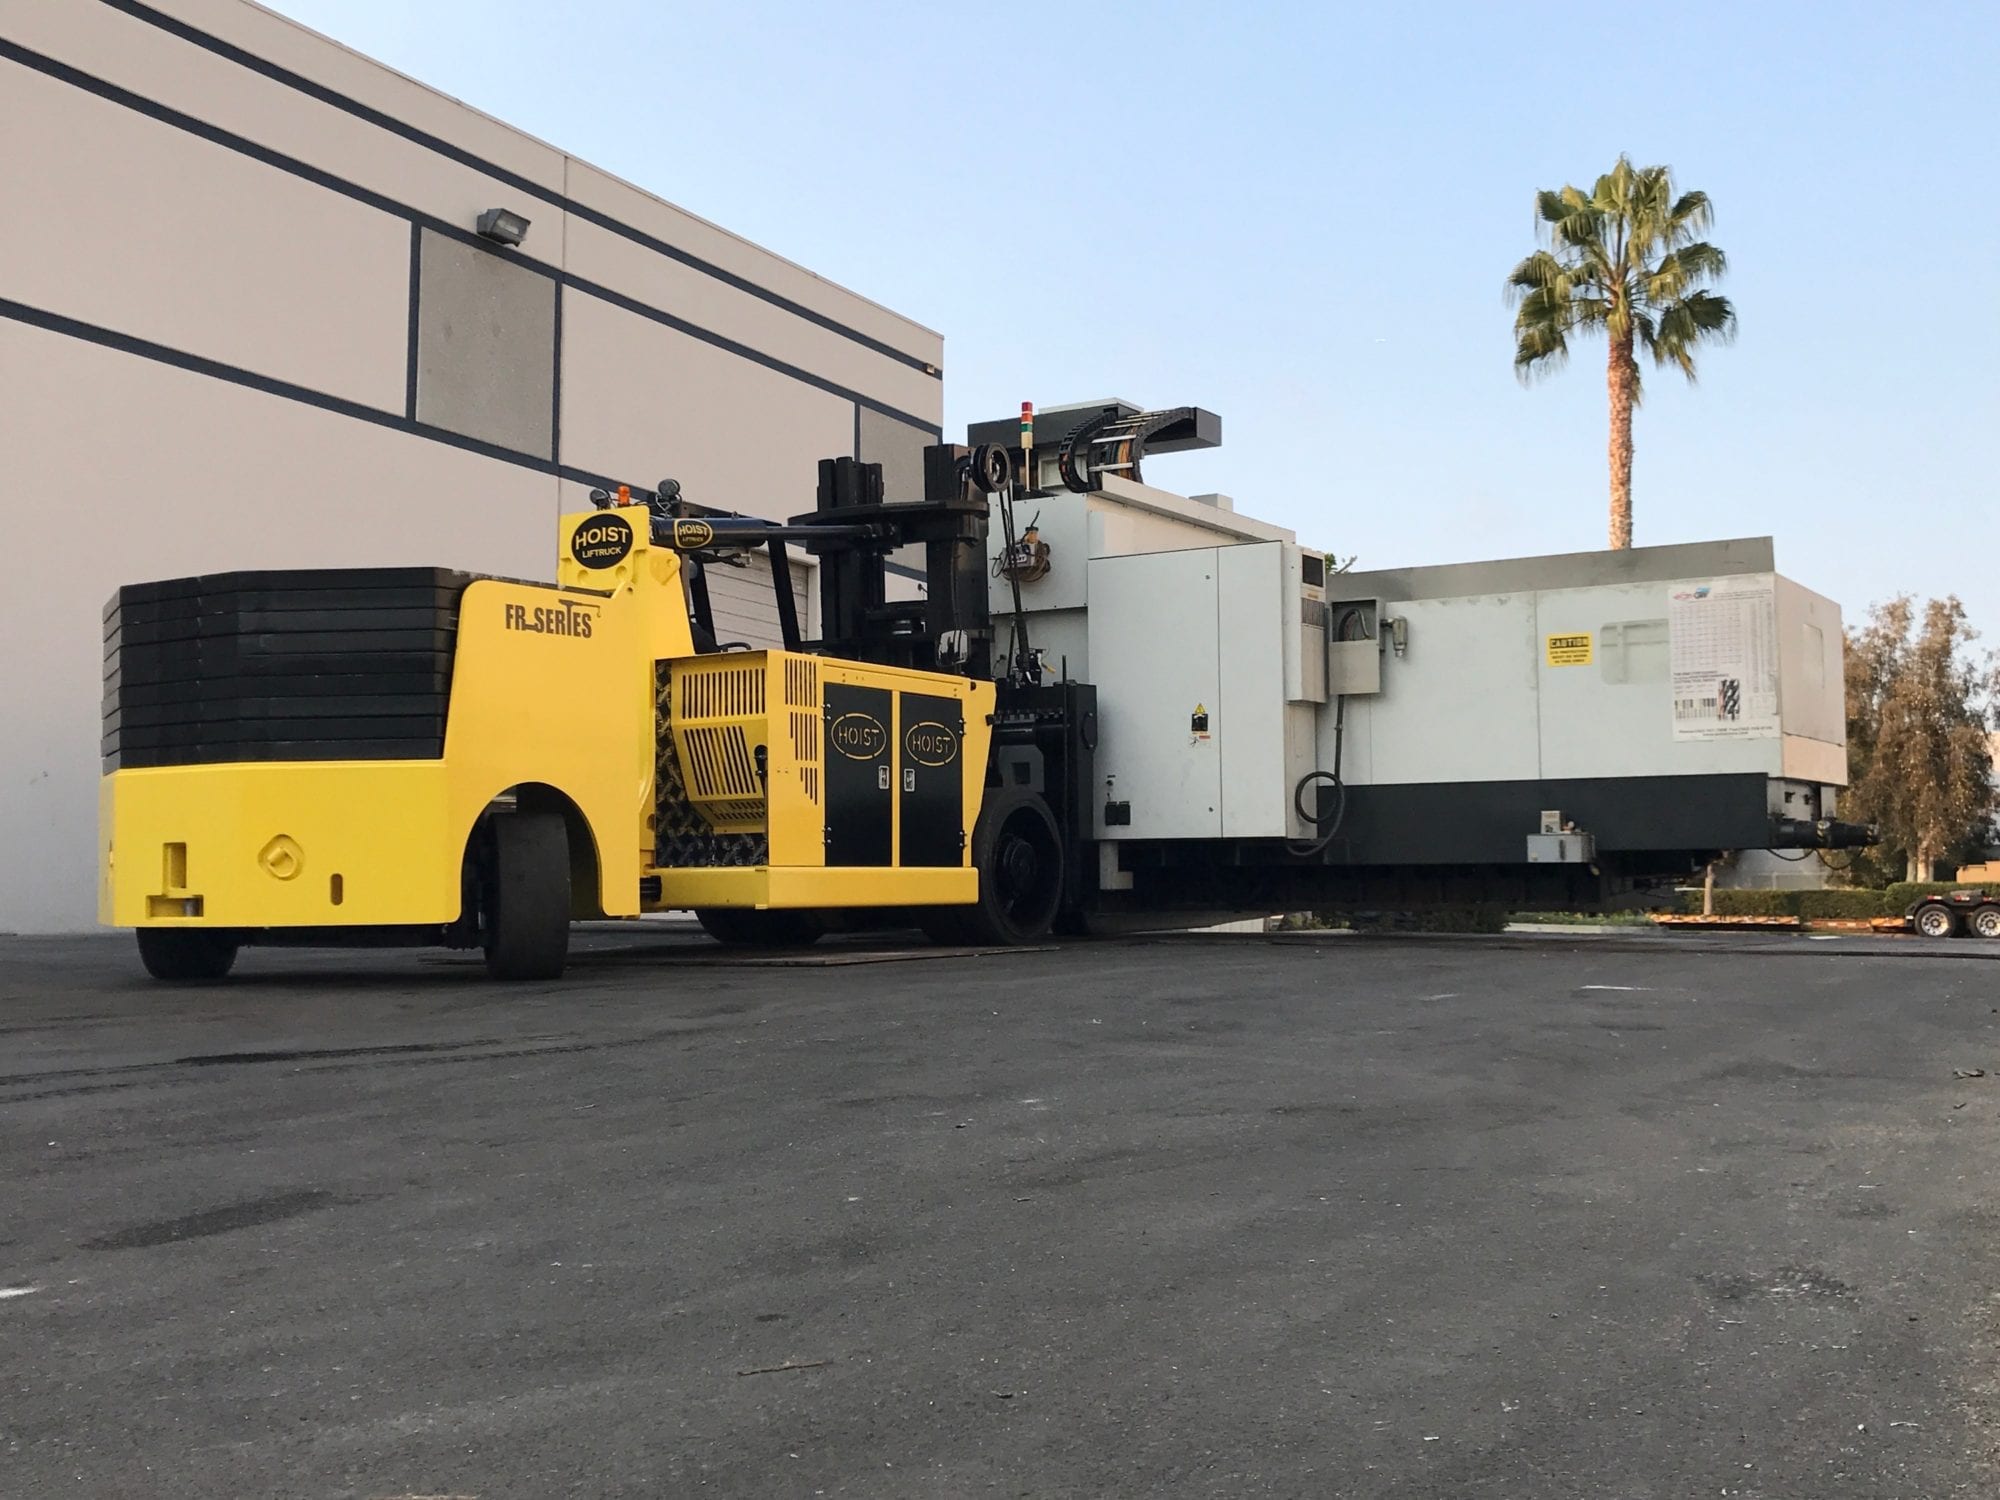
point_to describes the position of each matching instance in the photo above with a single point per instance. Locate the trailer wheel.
(1985, 922)
(1935, 921)
(526, 896)
(1019, 855)
(746, 927)
(186, 954)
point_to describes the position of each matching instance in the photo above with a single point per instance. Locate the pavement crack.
(314, 1054)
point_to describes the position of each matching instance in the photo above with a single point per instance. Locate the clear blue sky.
(1300, 216)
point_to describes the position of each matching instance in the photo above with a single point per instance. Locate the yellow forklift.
(419, 756)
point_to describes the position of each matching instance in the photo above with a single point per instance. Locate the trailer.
(1104, 704)
(1969, 910)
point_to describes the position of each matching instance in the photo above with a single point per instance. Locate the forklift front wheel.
(186, 954)
(1019, 855)
(526, 896)
(746, 927)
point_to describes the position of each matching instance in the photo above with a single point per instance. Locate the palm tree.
(1623, 258)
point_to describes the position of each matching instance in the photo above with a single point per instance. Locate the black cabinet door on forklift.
(931, 817)
(859, 798)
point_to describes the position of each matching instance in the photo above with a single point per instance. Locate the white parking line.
(17, 1291)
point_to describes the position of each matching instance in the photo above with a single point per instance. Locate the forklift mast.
(854, 530)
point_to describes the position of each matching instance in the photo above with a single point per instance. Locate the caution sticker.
(1569, 650)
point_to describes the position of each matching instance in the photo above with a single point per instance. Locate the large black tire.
(1935, 920)
(746, 927)
(1018, 852)
(1984, 921)
(185, 955)
(525, 909)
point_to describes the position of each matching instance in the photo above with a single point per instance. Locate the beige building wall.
(245, 322)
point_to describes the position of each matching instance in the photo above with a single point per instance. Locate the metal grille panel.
(719, 763)
(723, 692)
(805, 750)
(682, 836)
(802, 683)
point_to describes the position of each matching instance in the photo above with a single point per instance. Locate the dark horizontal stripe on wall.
(381, 120)
(804, 377)
(215, 369)
(214, 134)
(270, 385)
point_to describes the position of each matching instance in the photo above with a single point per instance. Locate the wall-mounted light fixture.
(503, 225)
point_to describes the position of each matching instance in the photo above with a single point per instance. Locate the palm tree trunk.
(1621, 377)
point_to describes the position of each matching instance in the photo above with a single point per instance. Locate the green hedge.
(1903, 892)
(1811, 905)
(1731, 903)
(1438, 919)
(1845, 903)
(1822, 905)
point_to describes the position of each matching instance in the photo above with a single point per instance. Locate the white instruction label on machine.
(1723, 656)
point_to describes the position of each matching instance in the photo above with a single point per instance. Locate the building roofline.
(569, 156)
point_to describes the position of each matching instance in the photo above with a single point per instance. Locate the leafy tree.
(1919, 712)
(1623, 259)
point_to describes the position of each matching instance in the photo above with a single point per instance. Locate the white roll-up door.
(745, 608)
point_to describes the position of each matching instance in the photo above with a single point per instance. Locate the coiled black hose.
(1326, 825)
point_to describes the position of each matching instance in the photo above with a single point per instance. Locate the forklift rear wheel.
(1985, 922)
(184, 954)
(526, 916)
(1936, 921)
(746, 927)
(1019, 856)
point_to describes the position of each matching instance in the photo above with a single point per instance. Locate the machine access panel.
(860, 805)
(895, 786)
(931, 785)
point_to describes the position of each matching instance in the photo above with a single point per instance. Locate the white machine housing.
(1551, 668)
(1468, 695)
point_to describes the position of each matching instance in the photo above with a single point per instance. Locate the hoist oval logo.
(930, 743)
(691, 535)
(601, 541)
(858, 736)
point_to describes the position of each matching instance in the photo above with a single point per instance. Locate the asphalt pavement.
(1602, 1217)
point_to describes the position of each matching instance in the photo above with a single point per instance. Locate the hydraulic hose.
(1326, 825)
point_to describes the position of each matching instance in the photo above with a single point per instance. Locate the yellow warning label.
(1569, 650)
